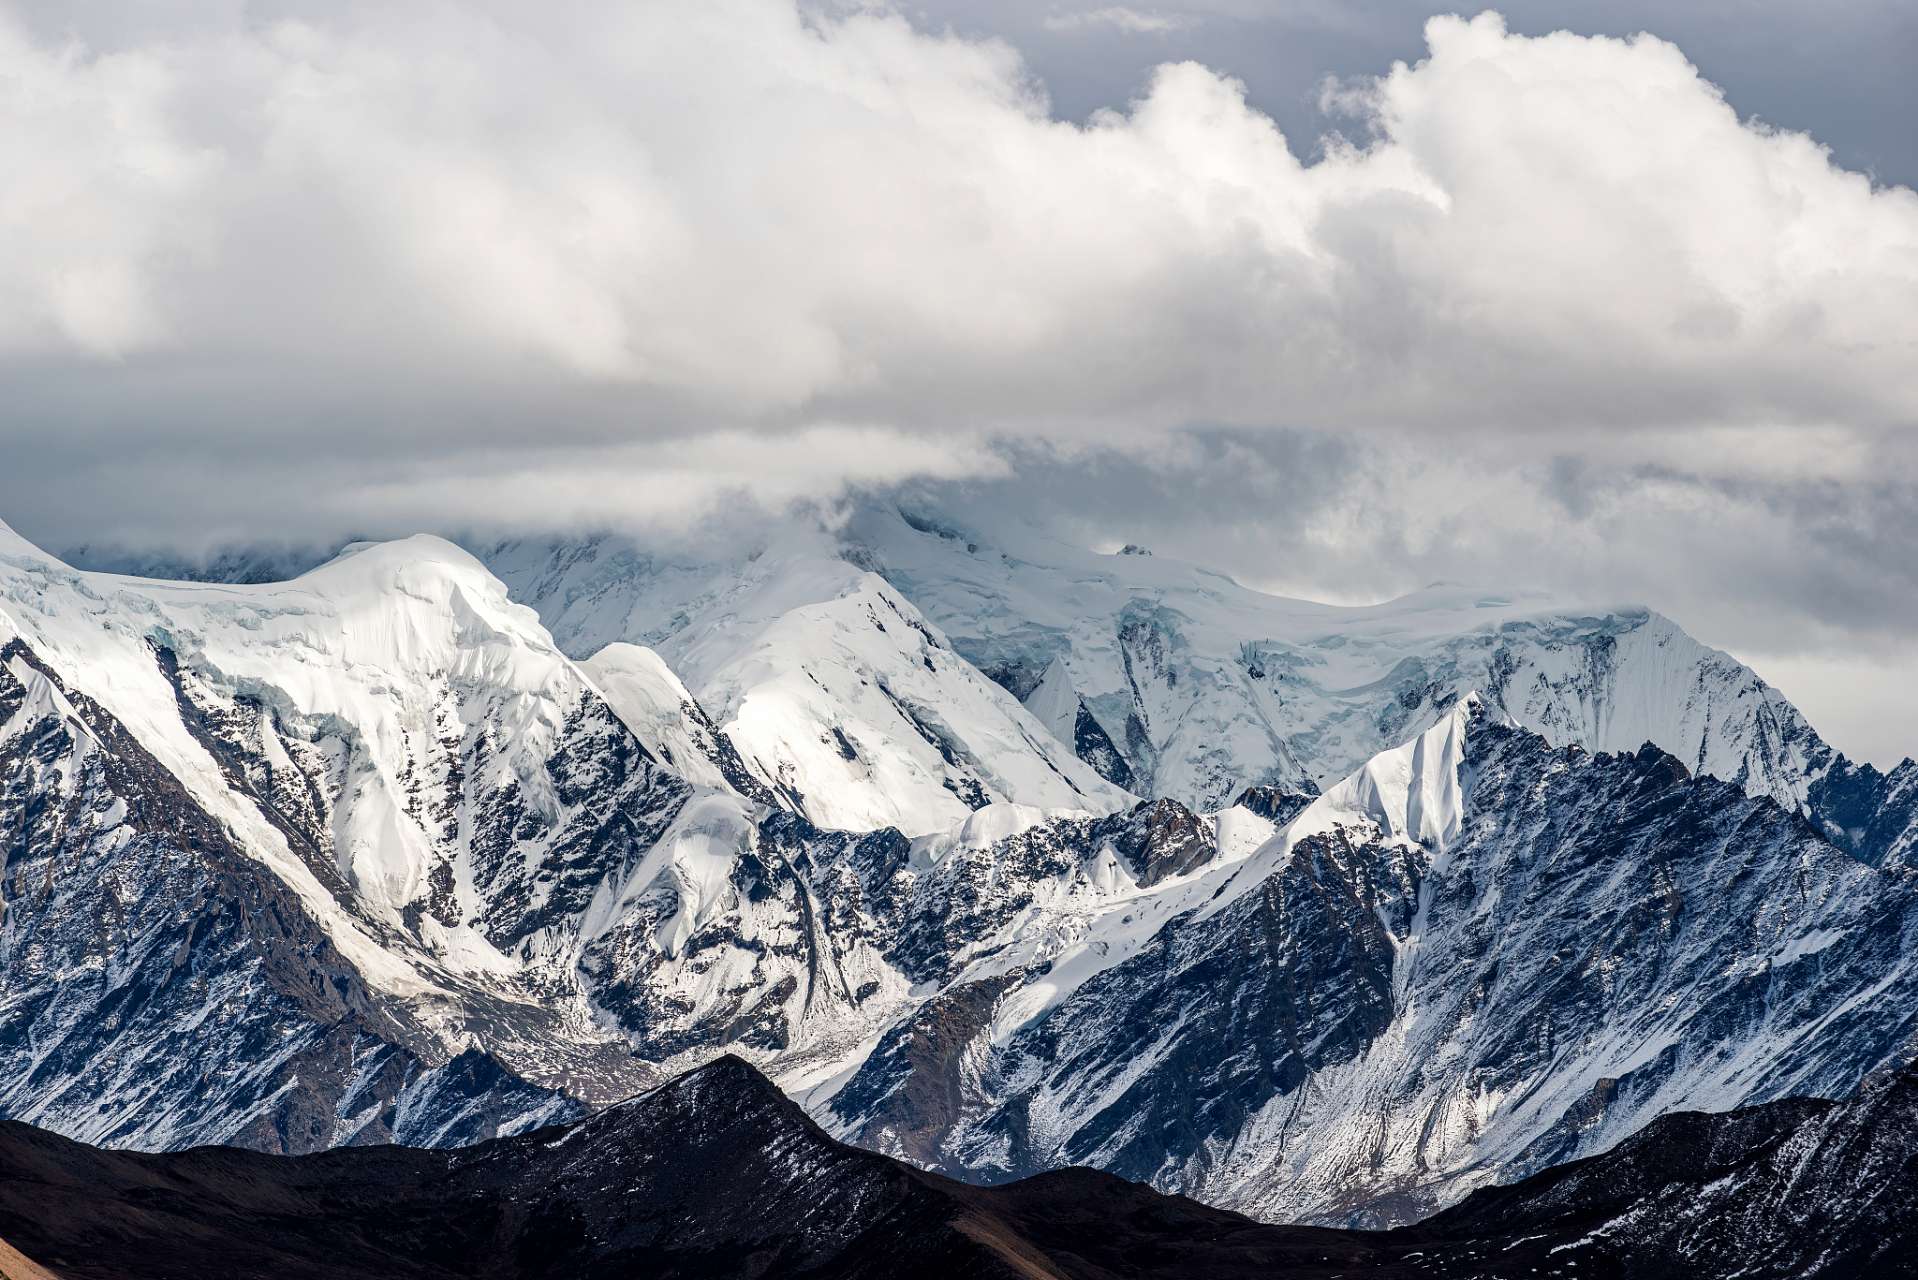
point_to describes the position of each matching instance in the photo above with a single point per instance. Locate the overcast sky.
(1333, 296)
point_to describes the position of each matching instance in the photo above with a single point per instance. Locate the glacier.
(834, 689)
(1194, 687)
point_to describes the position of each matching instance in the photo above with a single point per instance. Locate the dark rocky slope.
(717, 1174)
(1358, 1029)
(714, 1175)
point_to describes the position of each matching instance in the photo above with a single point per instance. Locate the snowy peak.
(400, 746)
(166, 987)
(663, 715)
(837, 694)
(1413, 792)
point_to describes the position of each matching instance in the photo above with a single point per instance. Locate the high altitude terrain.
(997, 855)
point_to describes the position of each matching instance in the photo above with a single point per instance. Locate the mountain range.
(997, 855)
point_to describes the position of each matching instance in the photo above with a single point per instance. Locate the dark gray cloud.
(1841, 73)
(1551, 308)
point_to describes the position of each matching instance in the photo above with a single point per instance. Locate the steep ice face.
(1208, 687)
(1411, 793)
(1055, 703)
(834, 690)
(669, 721)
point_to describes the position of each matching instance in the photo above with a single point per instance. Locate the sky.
(1340, 298)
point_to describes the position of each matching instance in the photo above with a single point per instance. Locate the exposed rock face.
(1275, 804)
(1872, 815)
(162, 988)
(1517, 957)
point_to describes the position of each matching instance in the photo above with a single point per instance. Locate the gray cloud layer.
(1552, 312)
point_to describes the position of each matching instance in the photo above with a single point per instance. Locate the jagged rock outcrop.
(1476, 958)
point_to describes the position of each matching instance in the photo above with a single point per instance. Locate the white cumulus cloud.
(759, 216)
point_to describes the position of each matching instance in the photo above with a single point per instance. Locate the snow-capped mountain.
(401, 867)
(1477, 956)
(163, 987)
(480, 849)
(832, 687)
(1171, 680)
(308, 833)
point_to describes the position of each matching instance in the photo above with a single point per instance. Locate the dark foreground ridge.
(718, 1174)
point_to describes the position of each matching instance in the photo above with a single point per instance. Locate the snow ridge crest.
(1414, 792)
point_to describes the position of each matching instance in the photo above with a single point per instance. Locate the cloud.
(1812, 580)
(1131, 21)
(1553, 311)
(740, 213)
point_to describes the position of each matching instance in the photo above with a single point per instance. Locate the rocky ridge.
(716, 1175)
(1478, 957)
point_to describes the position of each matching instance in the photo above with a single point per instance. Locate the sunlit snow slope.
(833, 688)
